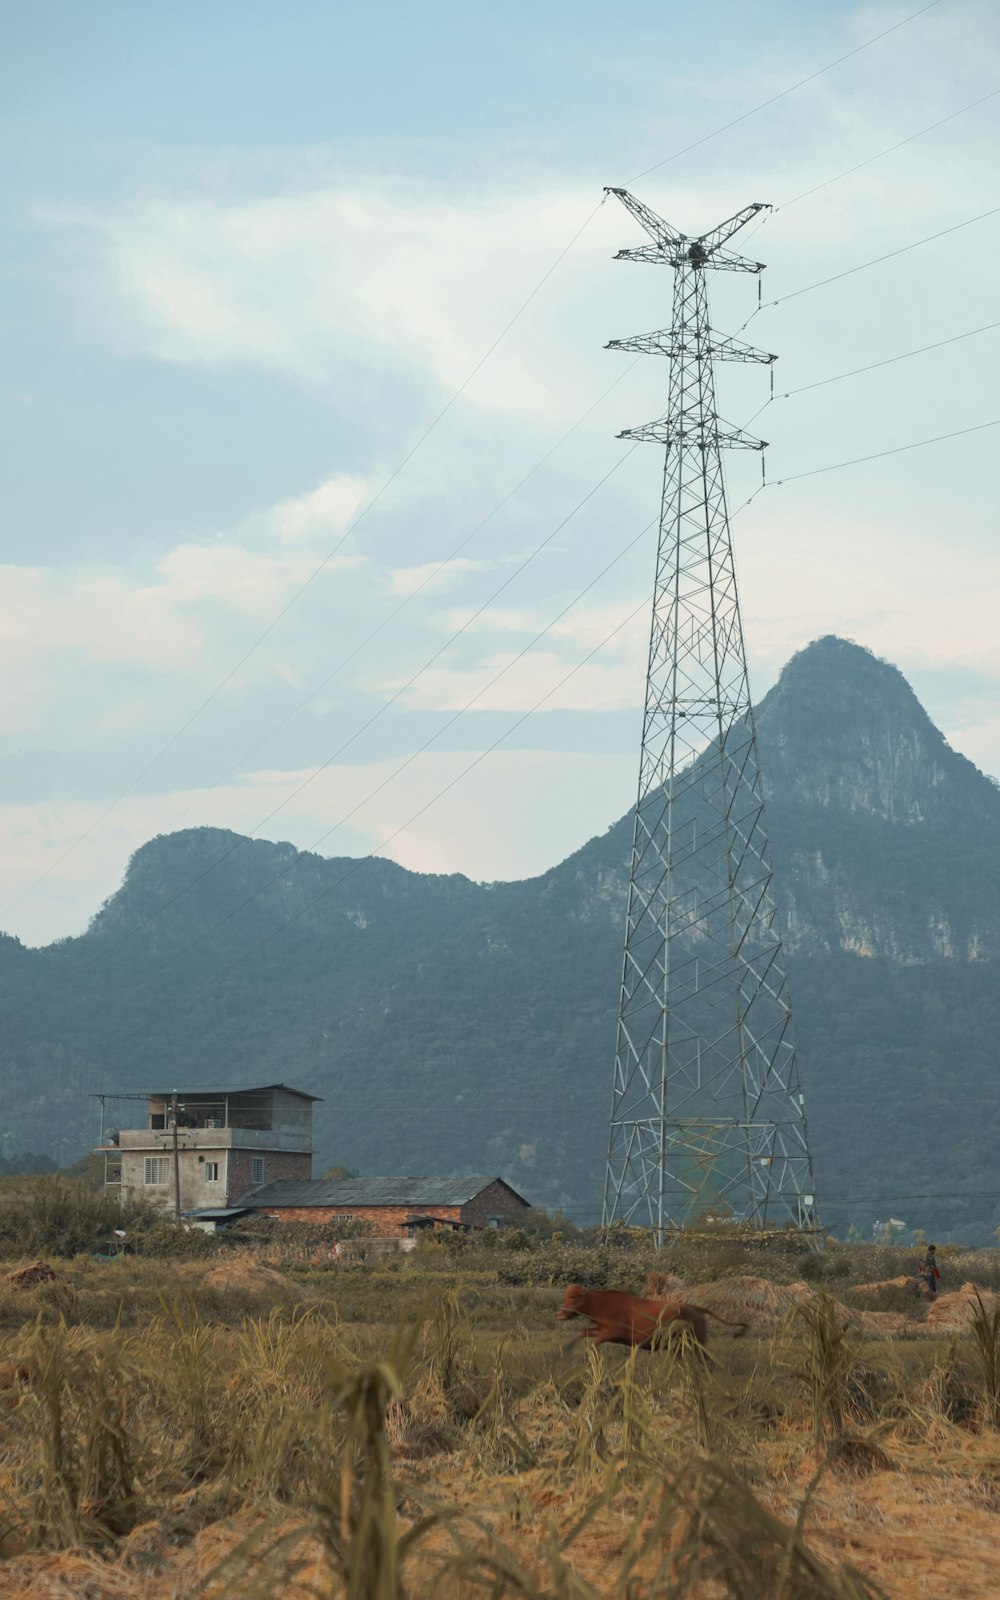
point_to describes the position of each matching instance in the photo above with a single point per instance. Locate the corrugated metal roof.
(347, 1192)
(232, 1088)
(218, 1213)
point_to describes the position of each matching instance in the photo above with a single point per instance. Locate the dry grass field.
(268, 1422)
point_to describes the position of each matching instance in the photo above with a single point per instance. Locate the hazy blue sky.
(251, 250)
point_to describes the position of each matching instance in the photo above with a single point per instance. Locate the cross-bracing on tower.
(707, 1114)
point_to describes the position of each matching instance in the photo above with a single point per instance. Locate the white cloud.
(199, 606)
(329, 508)
(310, 283)
(563, 800)
(380, 295)
(433, 576)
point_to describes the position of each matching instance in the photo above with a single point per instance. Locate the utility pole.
(705, 1053)
(177, 1159)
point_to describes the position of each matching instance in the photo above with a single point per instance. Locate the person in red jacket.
(929, 1271)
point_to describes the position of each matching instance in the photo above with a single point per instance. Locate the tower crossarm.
(726, 261)
(716, 237)
(664, 431)
(666, 236)
(678, 249)
(719, 347)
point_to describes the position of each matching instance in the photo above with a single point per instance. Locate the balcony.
(160, 1141)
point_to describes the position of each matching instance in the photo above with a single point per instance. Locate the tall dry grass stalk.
(985, 1329)
(350, 1496)
(497, 1442)
(85, 1488)
(814, 1350)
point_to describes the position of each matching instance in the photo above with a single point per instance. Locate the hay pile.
(883, 1324)
(762, 1304)
(755, 1301)
(30, 1276)
(951, 1313)
(253, 1278)
(663, 1285)
(912, 1285)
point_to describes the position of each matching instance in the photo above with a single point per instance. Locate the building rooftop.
(218, 1213)
(349, 1192)
(232, 1090)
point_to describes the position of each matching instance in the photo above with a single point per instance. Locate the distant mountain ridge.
(451, 1025)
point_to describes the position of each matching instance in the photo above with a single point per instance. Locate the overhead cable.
(848, 272)
(888, 151)
(784, 92)
(905, 355)
(898, 449)
(357, 865)
(345, 661)
(362, 861)
(414, 677)
(192, 718)
(872, 366)
(317, 570)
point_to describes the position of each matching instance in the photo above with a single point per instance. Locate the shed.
(393, 1207)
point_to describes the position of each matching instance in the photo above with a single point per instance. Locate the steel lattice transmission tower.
(707, 1112)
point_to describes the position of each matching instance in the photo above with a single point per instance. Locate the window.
(257, 1169)
(211, 1172)
(343, 1216)
(156, 1170)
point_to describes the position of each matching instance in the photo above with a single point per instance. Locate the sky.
(315, 521)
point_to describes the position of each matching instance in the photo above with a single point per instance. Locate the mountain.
(449, 1024)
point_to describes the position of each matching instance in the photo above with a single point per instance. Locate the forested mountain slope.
(451, 1025)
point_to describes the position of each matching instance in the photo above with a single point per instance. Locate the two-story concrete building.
(204, 1149)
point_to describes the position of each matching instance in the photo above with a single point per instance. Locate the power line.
(317, 570)
(838, 377)
(463, 543)
(369, 722)
(774, 483)
(895, 451)
(781, 96)
(864, 265)
(891, 1199)
(363, 861)
(887, 152)
(466, 540)
(402, 766)
(905, 355)
(420, 441)
(772, 211)
(490, 748)
(353, 654)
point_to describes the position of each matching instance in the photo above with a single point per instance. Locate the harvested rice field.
(270, 1422)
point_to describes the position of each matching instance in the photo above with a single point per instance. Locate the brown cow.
(617, 1318)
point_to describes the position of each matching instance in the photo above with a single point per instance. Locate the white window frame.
(152, 1167)
(257, 1169)
(211, 1172)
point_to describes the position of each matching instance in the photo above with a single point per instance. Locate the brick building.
(214, 1145)
(394, 1207)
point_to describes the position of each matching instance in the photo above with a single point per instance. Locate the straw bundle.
(951, 1313)
(253, 1277)
(28, 1277)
